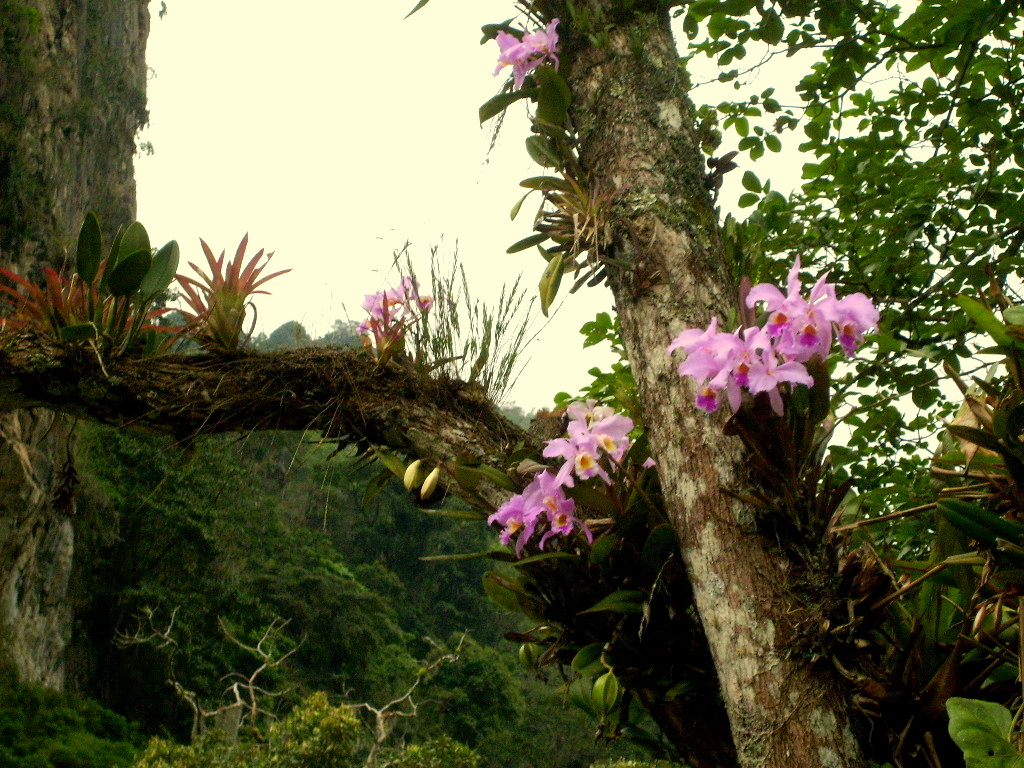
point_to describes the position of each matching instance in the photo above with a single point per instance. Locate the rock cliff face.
(72, 98)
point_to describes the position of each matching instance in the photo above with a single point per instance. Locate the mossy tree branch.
(340, 392)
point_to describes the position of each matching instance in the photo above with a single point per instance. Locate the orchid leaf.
(549, 282)
(497, 477)
(527, 242)
(135, 239)
(497, 104)
(619, 601)
(162, 270)
(490, 31)
(554, 97)
(490, 554)
(519, 204)
(546, 183)
(507, 595)
(544, 556)
(1014, 314)
(602, 548)
(996, 524)
(606, 692)
(977, 436)
(660, 544)
(542, 152)
(83, 332)
(587, 660)
(90, 248)
(127, 276)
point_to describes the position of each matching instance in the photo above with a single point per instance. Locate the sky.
(332, 133)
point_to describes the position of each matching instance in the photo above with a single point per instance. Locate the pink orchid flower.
(526, 54)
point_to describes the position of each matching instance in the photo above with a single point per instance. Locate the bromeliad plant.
(219, 302)
(107, 300)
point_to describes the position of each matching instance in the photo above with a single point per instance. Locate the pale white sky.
(334, 132)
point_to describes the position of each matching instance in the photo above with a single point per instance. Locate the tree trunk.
(72, 96)
(636, 128)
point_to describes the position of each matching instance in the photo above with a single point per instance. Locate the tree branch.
(340, 392)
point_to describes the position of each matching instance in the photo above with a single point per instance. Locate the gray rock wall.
(72, 98)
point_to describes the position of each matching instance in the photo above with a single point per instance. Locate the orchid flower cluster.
(392, 312)
(526, 54)
(762, 359)
(598, 438)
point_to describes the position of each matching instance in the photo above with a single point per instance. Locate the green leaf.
(515, 208)
(129, 273)
(1014, 315)
(527, 242)
(554, 97)
(982, 730)
(490, 554)
(587, 660)
(991, 524)
(549, 282)
(661, 542)
(497, 104)
(542, 152)
(545, 183)
(984, 319)
(162, 270)
(544, 556)
(419, 5)
(135, 239)
(748, 199)
(500, 591)
(84, 332)
(375, 486)
(620, 601)
(90, 248)
(602, 548)
(497, 477)
(751, 182)
(772, 28)
(605, 694)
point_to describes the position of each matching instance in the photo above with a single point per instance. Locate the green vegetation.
(40, 728)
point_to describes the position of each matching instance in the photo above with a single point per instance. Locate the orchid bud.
(430, 484)
(411, 472)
